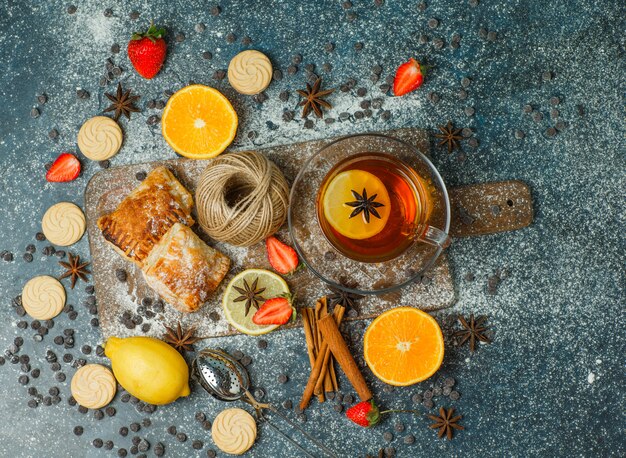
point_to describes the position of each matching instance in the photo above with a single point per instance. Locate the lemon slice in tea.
(249, 289)
(356, 204)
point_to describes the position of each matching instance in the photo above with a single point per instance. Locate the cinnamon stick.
(313, 376)
(324, 374)
(334, 340)
(333, 374)
(308, 335)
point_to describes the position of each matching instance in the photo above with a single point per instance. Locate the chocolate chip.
(482, 33)
(492, 36)
(329, 47)
(386, 115)
(282, 379)
(197, 445)
(309, 124)
(34, 113)
(181, 437)
(438, 43)
(179, 37)
(428, 403)
(546, 76)
(78, 430)
(219, 75)
(200, 27)
(455, 395)
(200, 416)
(211, 453)
(259, 393)
(231, 38)
(388, 436)
(122, 452)
(433, 23)
(246, 361)
(410, 439)
(108, 12)
(437, 391)
(40, 237)
(288, 404)
(143, 445)
(60, 376)
(215, 10)
(152, 120)
(423, 39)
(71, 9)
(519, 134)
(134, 427)
(421, 6)
(469, 111)
(537, 116)
(358, 46)
(550, 132)
(23, 379)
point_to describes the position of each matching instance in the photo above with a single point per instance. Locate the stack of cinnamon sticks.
(326, 381)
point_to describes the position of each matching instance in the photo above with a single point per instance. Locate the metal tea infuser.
(225, 378)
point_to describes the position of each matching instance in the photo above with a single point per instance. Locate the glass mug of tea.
(371, 204)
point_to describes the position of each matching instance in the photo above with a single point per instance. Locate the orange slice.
(403, 346)
(199, 122)
(341, 190)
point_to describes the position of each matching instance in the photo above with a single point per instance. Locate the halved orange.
(403, 346)
(199, 122)
(340, 198)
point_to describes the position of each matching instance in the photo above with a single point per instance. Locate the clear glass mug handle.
(432, 236)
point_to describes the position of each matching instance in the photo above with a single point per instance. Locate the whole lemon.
(148, 368)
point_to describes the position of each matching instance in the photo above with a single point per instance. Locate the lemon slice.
(350, 187)
(235, 311)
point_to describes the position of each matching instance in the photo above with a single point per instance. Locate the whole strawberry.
(146, 51)
(367, 414)
(364, 413)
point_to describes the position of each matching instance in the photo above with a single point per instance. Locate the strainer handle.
(318, 444)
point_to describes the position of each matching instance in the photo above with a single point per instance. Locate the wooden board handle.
(341, 352)
(489, 208)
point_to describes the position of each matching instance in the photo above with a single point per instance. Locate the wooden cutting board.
(474, 213)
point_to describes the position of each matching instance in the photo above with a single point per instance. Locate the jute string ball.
(241, 198)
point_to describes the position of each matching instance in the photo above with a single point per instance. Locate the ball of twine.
(242, 198)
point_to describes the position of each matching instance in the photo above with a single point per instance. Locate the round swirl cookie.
(234, 431)
(100, 138)
(43, 297)
(250, 72)
(63, 224)
(93, 386)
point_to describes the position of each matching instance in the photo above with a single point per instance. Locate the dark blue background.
(552, 382)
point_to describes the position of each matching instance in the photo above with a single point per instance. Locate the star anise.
(314, 99)
(367, 205)
(75, 269)
(445, 422)
(342, 297)
(473, 331)
(250, 294)
(181, 339)
(450, 136)
(122, 103)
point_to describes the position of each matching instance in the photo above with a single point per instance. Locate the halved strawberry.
(283, 258)
(65, 168)
(274, 311)
(409, 77)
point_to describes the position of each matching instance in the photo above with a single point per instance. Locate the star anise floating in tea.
(445, 422)
(122, 103)
(181, 339)
(74, 269)
(473, 331)
(313, 99)
(449, 136)
(251, 294)
(367, 205)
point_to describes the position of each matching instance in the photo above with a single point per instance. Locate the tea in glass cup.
(372, 206)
